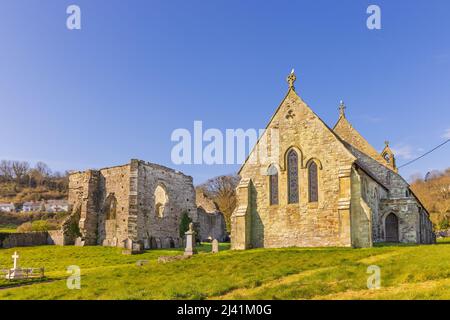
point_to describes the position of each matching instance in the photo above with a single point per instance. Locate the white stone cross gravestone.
(15, 257)
(15, 272)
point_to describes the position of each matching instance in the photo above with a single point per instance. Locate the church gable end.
(308, 204)
(317, 187)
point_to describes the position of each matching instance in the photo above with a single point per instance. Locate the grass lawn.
(407, 272)
(8, 228)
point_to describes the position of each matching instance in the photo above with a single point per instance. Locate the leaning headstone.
(79, 242)
(114, 242)
(215, 246)
(130, 247)
(190, 241)
(128, 244)
(141, 263)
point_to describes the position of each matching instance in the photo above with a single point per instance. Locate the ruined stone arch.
(108, 229)
(110, 207)
(161, 200)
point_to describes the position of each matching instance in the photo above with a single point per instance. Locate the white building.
(33, 206)
(56, 206)
(7, 207)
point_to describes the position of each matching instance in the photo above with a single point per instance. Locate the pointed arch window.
(313, 183)
(273, 185)
(293, 190)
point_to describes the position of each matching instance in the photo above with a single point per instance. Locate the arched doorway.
(391, 225)
(109, 217)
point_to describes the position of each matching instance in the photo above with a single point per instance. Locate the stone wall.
(212, 226)
(211, 221)
(157, 223)
(10, 240)
(119, 206)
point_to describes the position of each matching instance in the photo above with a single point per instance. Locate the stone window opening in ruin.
(110, 207)
(292, 171)
(273, 185)
(313, 182)
(161, 200)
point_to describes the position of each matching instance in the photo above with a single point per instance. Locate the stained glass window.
(273, 185)
(293, 190)
(313, 183)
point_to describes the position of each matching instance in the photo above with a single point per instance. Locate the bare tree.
(20, 169)
(222, 190)
(43, 169)
(6, 170)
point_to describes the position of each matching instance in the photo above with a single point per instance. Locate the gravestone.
(79, 242)
(190, 241)
(141, 263)
(215, 246)
(146, 243)
(15, 272)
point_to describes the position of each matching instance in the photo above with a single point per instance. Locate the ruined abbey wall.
(119, 206)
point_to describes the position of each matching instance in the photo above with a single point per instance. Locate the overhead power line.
(425, 154)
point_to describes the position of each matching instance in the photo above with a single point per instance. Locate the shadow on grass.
(7, 284)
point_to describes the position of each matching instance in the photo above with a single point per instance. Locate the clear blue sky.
(137, 70)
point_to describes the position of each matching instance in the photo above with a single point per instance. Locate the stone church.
(326, 187)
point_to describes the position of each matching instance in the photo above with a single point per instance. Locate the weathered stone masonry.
(361, 197)
(137, 204)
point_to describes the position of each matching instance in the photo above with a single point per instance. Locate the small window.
(273, 185)
(313, 182)
(293, 190)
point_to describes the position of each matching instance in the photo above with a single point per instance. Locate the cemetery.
(288, 273)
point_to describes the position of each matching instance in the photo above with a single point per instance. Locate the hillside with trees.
(434, 192)
(222, 190)
(21, 182)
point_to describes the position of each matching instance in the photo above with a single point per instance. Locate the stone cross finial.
(291, 80)
(386, 143)
(15, 257)
(342, 108)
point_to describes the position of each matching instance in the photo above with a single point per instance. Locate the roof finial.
(342, 108)
(291, 80)
(386, 143)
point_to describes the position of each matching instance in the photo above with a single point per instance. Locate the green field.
(8, 228)
(407, 272)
